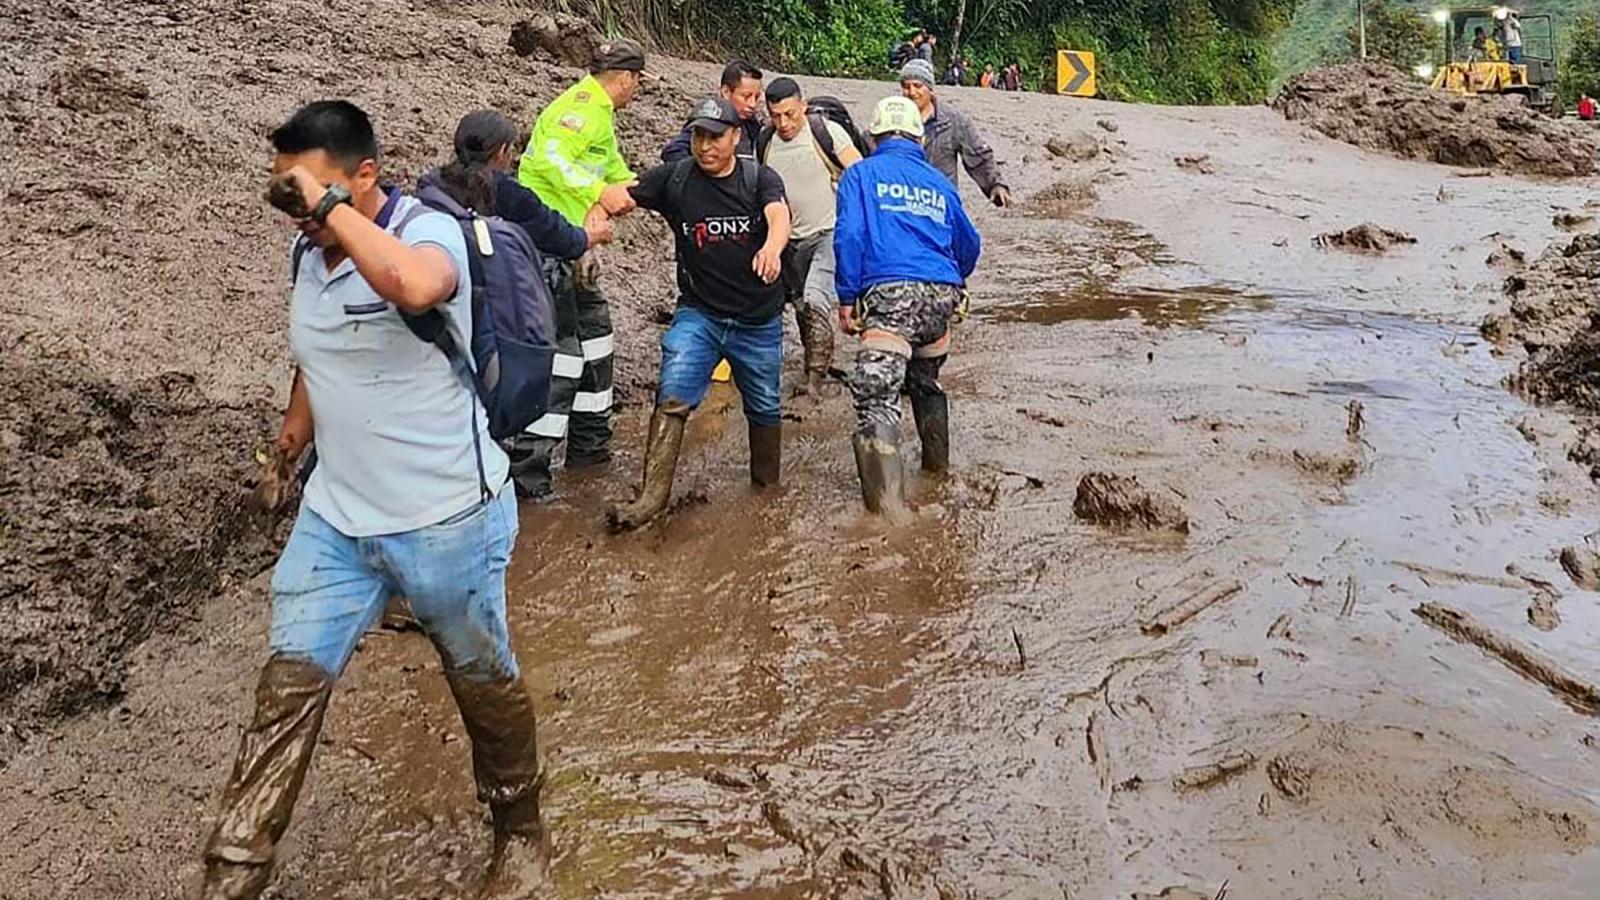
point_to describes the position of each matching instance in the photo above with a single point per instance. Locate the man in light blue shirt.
(407, 498)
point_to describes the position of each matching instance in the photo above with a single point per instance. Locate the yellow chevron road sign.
(1075, 73)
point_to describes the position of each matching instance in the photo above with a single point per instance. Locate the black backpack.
(819, 112)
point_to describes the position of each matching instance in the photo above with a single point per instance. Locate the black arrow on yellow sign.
(1081, 73)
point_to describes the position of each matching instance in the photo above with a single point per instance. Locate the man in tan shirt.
(809, 151)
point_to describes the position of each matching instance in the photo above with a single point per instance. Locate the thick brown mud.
(1377, 106)
(769, 694)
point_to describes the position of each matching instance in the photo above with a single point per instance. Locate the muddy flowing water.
(770, 695)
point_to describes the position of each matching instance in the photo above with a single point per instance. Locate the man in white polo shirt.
(810, 170)
(407, 498)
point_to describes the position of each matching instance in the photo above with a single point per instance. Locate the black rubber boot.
(274, 753)
(932, 414)
(530, 466)
(663, 442)
(766, 454)
(882, 474)
(498, 715)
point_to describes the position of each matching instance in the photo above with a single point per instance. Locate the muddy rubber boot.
(499, 719)
(882, 475)
(662, 445)
(932, 414)
(816, 337)
(530, 467)
(766, 454)
(274, 753)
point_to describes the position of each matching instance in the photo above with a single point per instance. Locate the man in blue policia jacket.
(904, 249)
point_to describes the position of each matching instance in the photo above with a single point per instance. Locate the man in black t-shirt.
(730, 223)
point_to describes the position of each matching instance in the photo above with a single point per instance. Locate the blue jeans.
(328, 588)
(697, 341)
(1514, 55)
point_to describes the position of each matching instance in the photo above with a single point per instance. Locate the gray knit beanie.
(917, 70)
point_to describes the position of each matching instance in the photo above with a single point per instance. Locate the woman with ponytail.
(479, 177)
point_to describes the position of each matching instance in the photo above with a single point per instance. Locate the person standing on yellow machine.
(573, 164)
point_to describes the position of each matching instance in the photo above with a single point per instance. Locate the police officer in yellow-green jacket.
(572, 163)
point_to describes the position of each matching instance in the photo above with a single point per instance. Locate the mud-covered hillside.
(143, 340)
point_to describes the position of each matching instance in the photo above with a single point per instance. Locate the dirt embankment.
(143, 345)
(118, 516)
(1554, 318)
(1377, 107)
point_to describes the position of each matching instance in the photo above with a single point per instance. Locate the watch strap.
(333, 196)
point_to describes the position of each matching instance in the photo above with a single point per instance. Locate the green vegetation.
(1171, 51)
(1580, 64)
(1316, 35)
(1395, 35)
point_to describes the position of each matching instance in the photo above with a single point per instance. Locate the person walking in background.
(740, 86)
(948, 135)
(572, 163)
(925, 51)
(1014, 77)
(955, 73)
(810, 152)
(986, 80)
(730, 224)
(905, 249)
(407, 498)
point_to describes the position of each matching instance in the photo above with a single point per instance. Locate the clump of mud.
(1364, 238)
(1062, 199)
(1374, 106)
(1077, 146)
(123, 511)
(1553, 316)
(562, 38)
(1120, 501)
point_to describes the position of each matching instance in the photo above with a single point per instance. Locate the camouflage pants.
(905, 338)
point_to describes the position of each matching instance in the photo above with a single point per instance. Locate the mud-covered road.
(774, 696)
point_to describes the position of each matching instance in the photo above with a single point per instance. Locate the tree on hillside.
(1396, 36)
(1580, 65)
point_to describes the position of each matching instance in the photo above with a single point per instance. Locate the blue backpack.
(513, 343)
(513, 317)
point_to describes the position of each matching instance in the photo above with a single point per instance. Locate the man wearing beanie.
(949, 134)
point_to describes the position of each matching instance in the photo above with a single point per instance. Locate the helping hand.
(768, 264)
(1001, 197)
(586, 271)
(616, 200)
(847, 320)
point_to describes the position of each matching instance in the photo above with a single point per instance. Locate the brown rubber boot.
(662, 445)
(816, 337)
(499, 719)
(932, 414)
(882, 475)
(766, 454)
(274, 753)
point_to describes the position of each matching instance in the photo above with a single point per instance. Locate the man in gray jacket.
(950, 134)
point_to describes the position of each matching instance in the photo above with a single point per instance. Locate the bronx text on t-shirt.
(713, 229)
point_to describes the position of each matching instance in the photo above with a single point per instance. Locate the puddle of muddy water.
(1156, 307)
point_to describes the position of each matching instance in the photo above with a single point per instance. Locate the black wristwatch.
(333, 196)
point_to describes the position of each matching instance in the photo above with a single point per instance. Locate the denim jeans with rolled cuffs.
(697, 341)
(328, 589)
